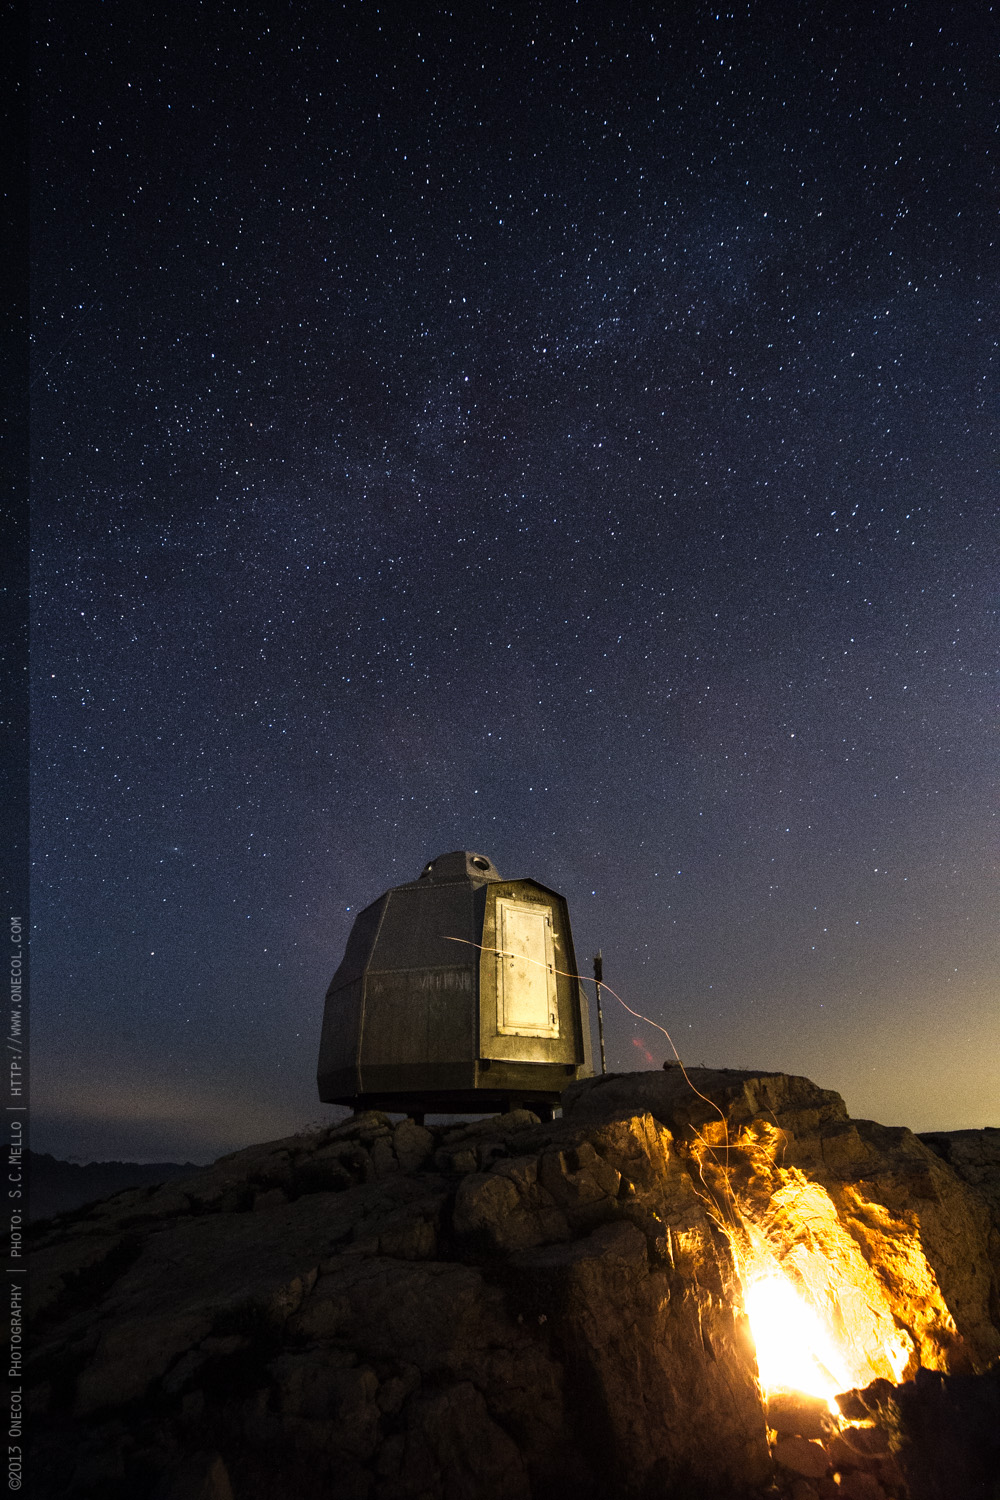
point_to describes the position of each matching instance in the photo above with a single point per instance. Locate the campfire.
(821, 1321)
(825, 1322)
(794, 1350)
(507, 1308)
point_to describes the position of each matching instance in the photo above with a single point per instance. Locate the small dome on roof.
(461, 864)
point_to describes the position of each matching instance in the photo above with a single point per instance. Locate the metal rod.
(598, 976)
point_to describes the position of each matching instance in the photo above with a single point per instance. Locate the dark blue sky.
(567, 432)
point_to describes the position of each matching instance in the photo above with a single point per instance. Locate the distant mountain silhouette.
(55, 1187)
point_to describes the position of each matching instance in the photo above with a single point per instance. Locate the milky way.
(564, 432)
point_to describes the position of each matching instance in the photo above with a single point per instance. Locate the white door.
(526, 975)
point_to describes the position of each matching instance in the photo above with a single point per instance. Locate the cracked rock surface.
(381, 1311)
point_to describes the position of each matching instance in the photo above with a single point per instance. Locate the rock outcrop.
(489, 1311)
(974, 1156)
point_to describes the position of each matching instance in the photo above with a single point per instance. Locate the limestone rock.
(861, 1486)
(923, 1234)
(412, 1145)
(944, 1432)
(491, 1311)
(974, 1156)
(453, 1445)
(202, 1477)
(802, 1456)
(794, 1414)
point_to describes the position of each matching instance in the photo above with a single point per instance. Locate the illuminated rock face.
(508, 1309)
(974, 1155)
(831, 1193)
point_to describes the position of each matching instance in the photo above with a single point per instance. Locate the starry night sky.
(566, 432)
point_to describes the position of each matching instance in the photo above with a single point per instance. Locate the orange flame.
(820, 1318)
(794, 1350)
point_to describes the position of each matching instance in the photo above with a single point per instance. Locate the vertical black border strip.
(14, 722)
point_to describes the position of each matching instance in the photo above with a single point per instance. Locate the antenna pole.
(598, 976)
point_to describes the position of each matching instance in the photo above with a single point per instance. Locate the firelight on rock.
(794, 1351)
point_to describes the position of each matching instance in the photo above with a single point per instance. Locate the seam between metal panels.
(364, 994)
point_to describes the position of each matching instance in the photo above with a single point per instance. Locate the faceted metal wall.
(415, 1018)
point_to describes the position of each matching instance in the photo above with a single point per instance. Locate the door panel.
(526, 981)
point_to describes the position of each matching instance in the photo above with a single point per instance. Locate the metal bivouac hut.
(455, 995)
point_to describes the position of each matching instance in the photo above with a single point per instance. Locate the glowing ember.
(794, 1350)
